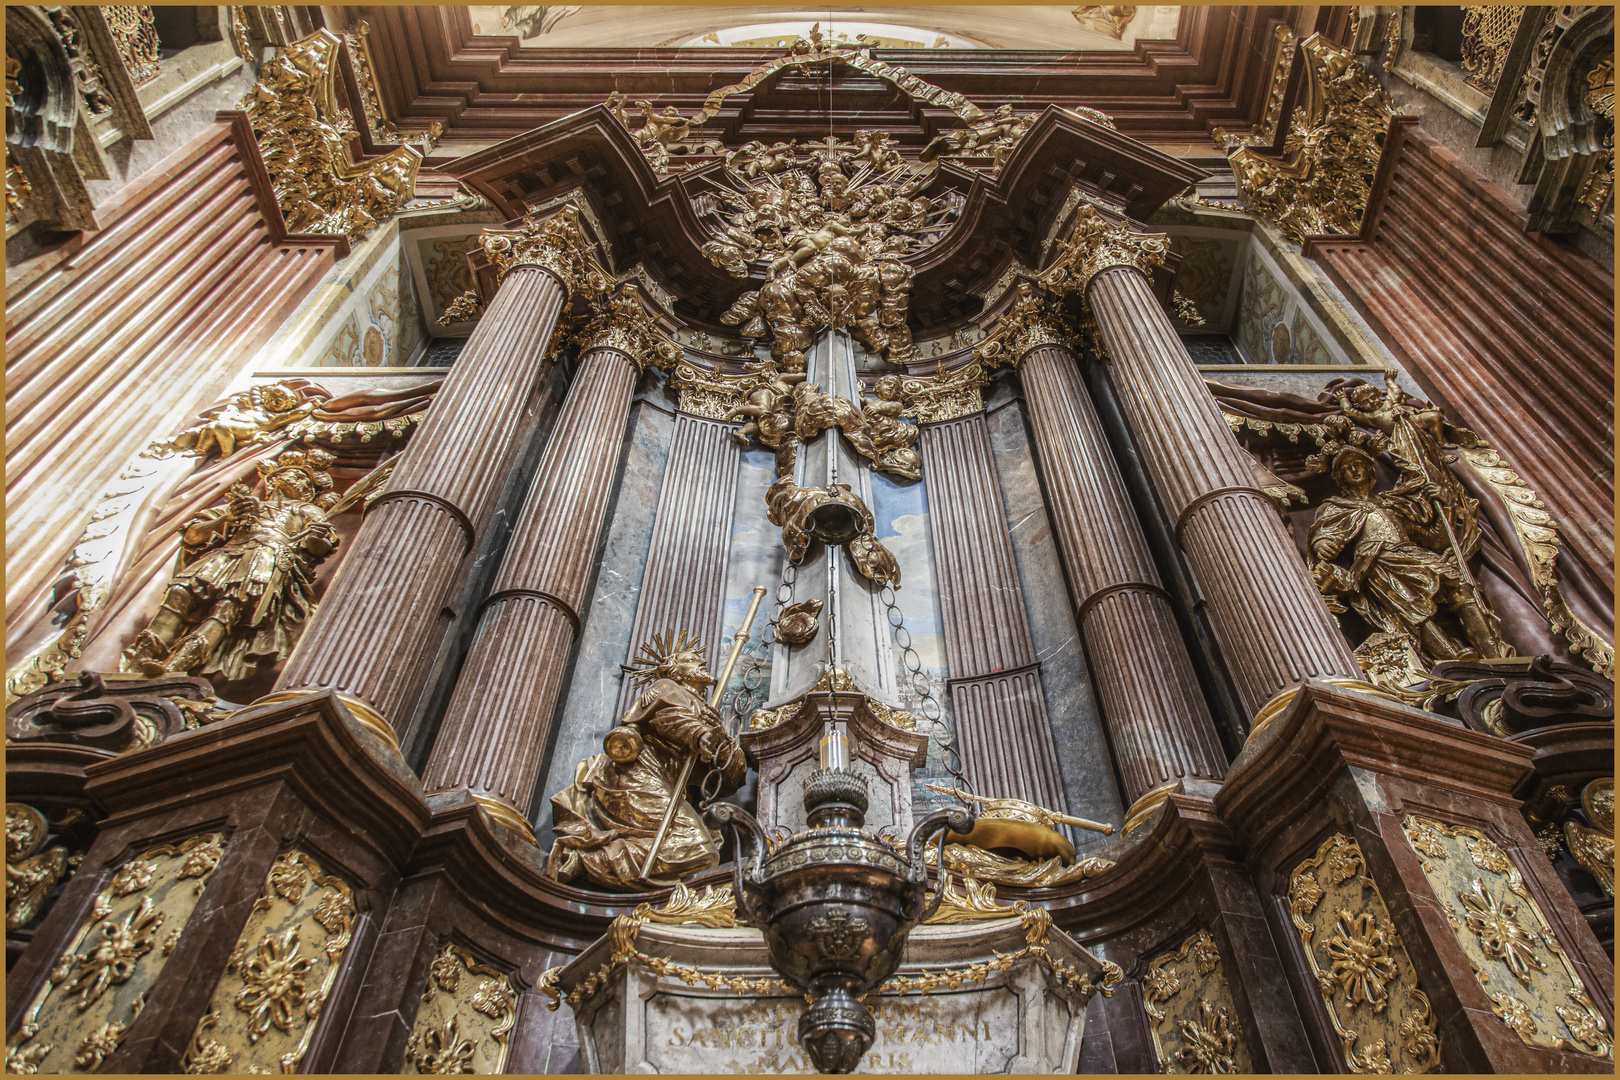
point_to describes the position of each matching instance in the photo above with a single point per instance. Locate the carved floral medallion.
(98, 986)
(468, 1009)
(1532, 985)
(1191, 1012)
(1371, 992)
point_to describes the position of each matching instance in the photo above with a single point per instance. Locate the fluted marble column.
(498, 723)
(1274, 629)
(379, 623)
(683, 587)
(1158, 721)
(1001, 721)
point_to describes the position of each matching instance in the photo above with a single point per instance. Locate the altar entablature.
(664, 222)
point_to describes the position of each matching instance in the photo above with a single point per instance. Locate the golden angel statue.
(245, 587)
(610, 818)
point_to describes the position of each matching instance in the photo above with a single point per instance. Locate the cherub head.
(888, 388)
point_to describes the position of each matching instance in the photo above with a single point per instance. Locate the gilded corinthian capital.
(1034, 319)
(556, 244)
(622, 323)
(1095, 245)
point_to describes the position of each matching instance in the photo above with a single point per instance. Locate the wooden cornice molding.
(652, 220)
(430, 67)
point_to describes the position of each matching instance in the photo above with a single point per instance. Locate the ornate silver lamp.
(835, 903)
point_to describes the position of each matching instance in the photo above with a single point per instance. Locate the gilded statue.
(245, 587)
(768, 407)
(833, 232)
(243, 418)
(1404, 568)
(892, 440)
(1047, 856)
(993, 137)
(607, 821)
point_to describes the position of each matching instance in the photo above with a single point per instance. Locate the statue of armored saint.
(1404, 568)
(611, 817)
(245, 587)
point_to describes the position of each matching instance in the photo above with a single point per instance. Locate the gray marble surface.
(609, 613)
(1089, 781)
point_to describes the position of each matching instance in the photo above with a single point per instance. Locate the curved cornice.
(651, 220)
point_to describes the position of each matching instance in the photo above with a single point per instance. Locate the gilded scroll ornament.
(1096, 244)
(466, 1017)
(1487, 35)
(1191, 1011)
(1525, 972)
(1264, 133)
(1032, 320)
(556, 243)
(244, 590)
(98, 985)
(383, 130)
(1369, 987)
(302, 133)
(134, 31)
(1323, 181)
(834, 678)
(32, 869)
(607, 819)
(265, 1006)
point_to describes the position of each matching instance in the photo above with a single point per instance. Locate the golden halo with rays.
(648, 666)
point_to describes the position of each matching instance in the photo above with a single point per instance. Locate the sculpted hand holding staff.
(626, 822)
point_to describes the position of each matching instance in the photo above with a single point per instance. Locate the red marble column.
(1268, 616)
(380, 622)
(1001, 721)
(498, 722)
(1158, 721)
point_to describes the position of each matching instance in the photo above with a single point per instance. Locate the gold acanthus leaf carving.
(32, 869)
(623, 323)
(303, 136)
(556, 244)
(1096, 244)
(468, 1010)
(1334, 142)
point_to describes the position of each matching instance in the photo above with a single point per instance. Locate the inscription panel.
(972, 1031)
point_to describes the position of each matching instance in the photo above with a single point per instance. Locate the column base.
(504, 813)
(372, 720)
(1143, 808)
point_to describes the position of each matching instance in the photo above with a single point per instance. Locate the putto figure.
(245, 586)
(608, 820)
